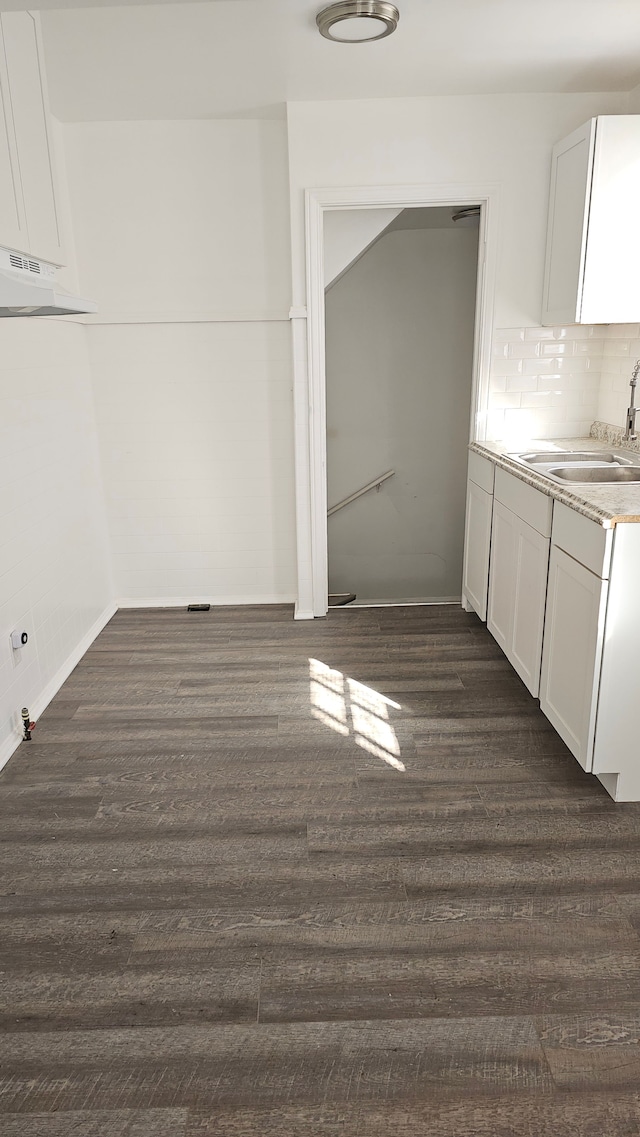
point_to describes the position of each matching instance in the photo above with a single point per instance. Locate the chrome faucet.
(630, 433)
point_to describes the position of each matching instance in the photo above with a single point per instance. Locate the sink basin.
(550, 458)
(587, 474)
(583, 467)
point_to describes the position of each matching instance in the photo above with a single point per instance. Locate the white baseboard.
(214, 601)
(413, 600)
(302, 613)
(41, 702)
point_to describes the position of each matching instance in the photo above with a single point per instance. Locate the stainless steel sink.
(582, 475)
(549, 458)
(583, 467)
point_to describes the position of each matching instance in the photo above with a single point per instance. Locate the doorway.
(308, 334)
(399, 321)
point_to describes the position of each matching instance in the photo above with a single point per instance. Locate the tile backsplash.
(621, 349)
(545, 382)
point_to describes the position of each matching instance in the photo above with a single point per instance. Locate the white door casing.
(309, 368)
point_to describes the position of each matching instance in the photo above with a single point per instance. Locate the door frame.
(309, 365)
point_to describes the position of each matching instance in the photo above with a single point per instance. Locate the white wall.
(182, 237)
(347, 233)
(502, 139)
(54, 562)
(399, 351)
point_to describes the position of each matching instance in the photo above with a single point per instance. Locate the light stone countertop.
(608, 505)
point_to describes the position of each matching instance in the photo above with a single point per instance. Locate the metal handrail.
(377, 482)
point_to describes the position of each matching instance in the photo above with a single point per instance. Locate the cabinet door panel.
(572, 652)
(13, 227)
(27, 81)
(611, 292)
(532, 564)
(475, 577)
(571, 167)
(517, 592)
(502, 575)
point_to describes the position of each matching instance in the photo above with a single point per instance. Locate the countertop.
(608, 505)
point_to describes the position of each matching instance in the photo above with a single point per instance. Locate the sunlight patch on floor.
(348, 706)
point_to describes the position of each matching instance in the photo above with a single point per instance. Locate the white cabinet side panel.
(475, 576)
(617, 747)
(13, 228)
(571, 652)
(611, 280)
(532, 566)
(571, 167)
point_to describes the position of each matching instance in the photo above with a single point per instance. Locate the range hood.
(28, 288)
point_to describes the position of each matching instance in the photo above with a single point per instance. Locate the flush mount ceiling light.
(358, 21)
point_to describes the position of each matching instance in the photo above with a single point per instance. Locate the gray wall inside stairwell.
(399, 348)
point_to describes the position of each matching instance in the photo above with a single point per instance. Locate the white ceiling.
(246, 58)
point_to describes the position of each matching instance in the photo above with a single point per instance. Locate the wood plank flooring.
(337, 878)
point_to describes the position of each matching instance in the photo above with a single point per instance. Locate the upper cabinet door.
(571, 169)
(593, 234)
(611, 290)
(13, 224)
(27, 84)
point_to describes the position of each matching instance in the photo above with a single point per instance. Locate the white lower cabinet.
(517, 592)
(573, 641)
(518, 574)
(562, 599)
(477, 545)
(477, 537)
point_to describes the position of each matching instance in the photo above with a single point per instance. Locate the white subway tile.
(577, 332)
(498, 383)
(591, 347)
(508, 335)
(500, 401)
(618, 347)
(506, 367)
(521, 383)
(523, 350)
(542, 366)
(556, 349)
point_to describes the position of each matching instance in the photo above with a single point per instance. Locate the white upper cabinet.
(13, 223)
(29, 215)
(593, 235)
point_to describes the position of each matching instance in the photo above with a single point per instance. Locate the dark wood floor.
(246, 895)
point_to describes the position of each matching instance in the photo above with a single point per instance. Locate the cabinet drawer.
(584, 540)
(528, 504)
(481, 471)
